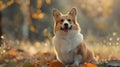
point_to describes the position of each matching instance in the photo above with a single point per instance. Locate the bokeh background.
(31, 21)
(29, 18)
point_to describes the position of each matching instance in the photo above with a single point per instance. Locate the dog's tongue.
(66, 30)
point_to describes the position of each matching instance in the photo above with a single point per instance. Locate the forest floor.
(26, 54)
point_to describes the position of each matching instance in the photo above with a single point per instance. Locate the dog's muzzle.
(66, 25)
(66, 28)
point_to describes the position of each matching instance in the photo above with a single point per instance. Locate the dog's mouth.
(66, 29)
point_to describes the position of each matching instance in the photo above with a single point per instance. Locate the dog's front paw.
(74, 65)
(82, 65)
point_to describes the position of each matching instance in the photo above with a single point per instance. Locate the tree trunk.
(0, 27)
(26, 15)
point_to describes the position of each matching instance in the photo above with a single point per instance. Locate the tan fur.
(88, 56)
(70, 47)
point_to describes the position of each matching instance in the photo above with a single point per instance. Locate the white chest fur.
(65, 44)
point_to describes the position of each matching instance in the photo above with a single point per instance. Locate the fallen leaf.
(12, 52)
(90, 65)
(55, 63)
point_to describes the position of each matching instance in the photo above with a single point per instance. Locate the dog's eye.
(62, 20)
(69, 20)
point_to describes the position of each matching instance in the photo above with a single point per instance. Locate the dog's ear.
(73, 12)
(56, 13)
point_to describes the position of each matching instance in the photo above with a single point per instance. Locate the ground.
(40, 54)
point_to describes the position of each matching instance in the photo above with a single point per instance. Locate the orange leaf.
(12, 52)
(55, 63)
(90, 65)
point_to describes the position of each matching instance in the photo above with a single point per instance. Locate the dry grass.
(105, 53)
(105, 49)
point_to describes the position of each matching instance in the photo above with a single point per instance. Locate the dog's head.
(65, 22)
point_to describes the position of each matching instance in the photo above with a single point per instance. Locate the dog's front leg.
(77, 61)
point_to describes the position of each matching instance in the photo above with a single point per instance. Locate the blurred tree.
(2, 7)
(27, 19)
(26, 15)
(0, 27)
(41, 18)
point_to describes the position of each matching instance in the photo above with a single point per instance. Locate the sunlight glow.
(110, 38)
(114, 34)
(32, 51)
(118, 39)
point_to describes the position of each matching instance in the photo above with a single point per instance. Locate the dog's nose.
(66, 25)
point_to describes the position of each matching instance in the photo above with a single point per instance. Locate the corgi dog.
(68, 42)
